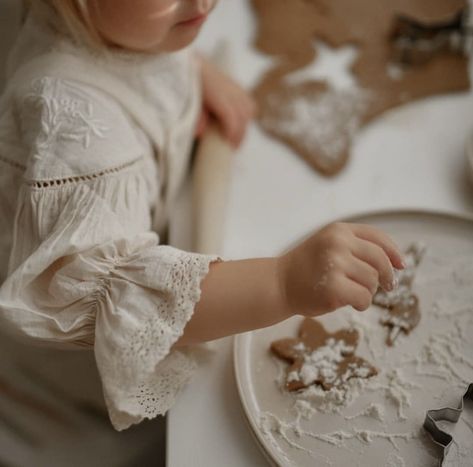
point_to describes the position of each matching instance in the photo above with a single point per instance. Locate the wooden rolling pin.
(211, 181)
(211, 177)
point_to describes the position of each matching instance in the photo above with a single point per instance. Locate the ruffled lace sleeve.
(87, 270)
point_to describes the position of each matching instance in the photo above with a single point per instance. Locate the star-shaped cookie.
(320, 357)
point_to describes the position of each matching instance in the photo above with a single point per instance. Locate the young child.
(96, 122)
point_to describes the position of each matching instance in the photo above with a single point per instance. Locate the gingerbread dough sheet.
(319, 121)
(376, 420)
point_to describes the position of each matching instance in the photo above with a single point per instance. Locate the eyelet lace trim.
(163, 374)
(80, 178)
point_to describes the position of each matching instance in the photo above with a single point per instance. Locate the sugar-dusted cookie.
(402, 313)
(320, 357)
(403, 316)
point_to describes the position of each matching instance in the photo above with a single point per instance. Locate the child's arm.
(342, 264)
(225, 100)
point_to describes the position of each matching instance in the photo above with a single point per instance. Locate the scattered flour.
(373, 410)
(367, 436)
(304, 410)
(324, 278)
(366, 332)
(395, 461)
(442, 311)
(335, 399)
(271, 425)
(440, 352)
(397, 390)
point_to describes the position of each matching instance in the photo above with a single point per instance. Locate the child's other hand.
(342, 264)
(227, 101)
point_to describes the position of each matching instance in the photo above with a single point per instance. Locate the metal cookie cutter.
(416, 42)
(449, 414)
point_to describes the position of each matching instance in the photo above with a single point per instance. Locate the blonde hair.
(75, 16)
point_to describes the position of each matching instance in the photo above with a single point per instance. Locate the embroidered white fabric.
(81, 193)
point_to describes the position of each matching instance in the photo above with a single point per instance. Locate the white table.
(412, 157)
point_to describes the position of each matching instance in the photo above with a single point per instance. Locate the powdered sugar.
(323, 124)
(335, 399)
(323, 363)
(402, 295)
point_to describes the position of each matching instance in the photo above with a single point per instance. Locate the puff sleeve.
(86, 270)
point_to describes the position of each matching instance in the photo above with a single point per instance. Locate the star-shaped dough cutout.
(331, 64)
(320, 357)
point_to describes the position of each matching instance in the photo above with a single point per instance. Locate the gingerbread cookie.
(318, 120)
(320, 357)
(402, 313)
(404, 316)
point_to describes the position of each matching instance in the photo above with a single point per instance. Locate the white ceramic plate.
(380, 424)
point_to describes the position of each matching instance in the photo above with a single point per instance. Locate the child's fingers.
(373, 235)
(249, 107)
(252, 109)
(353, 294)
(231, 123)
(363, 273)
(237, 128)
(375, 256)
(202, 123)
(238, 132)
(245, 110)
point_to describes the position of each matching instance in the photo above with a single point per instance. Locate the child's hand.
(342, 264)
(227, 101)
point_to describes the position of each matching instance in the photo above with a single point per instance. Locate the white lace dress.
(93, 151)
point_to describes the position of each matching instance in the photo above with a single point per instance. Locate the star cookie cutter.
(450, 414)
(416, 42)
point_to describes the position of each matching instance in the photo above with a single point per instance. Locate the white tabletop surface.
(412, 157)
